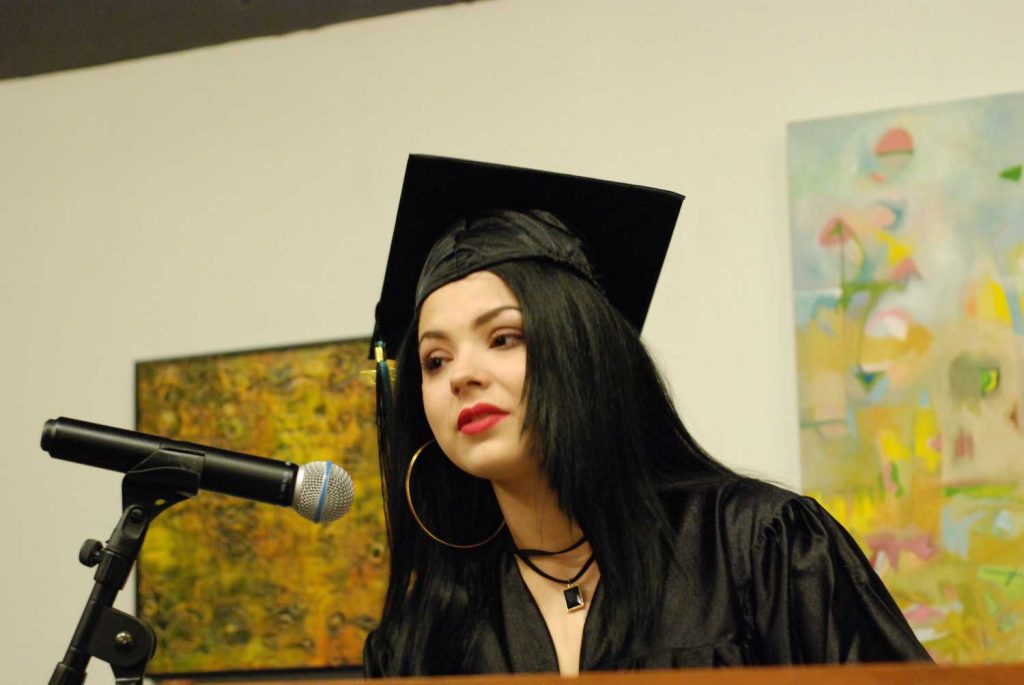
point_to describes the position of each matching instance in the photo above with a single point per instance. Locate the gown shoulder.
(805, 592)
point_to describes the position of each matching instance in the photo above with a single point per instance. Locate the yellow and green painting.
(235, 585)
(908, 259)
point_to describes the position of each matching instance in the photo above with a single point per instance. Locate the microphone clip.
(164, 478)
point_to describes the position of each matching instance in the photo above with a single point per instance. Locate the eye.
(506, 339)
(432, 363)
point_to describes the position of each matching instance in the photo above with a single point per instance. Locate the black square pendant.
(573, 598)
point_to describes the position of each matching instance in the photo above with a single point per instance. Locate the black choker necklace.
(572, 593)
(545, 553)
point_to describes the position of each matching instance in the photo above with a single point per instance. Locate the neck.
(533, 516)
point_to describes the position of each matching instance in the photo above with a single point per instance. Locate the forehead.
(463, 300)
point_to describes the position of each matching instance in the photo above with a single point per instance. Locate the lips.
(479, 417)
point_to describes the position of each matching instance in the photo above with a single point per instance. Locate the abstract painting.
(908, 260)
(235, 585)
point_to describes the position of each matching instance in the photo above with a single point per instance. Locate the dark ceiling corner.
(42, 36)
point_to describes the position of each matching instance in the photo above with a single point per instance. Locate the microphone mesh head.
(323, 491)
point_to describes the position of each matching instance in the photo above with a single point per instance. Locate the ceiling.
(43, 36)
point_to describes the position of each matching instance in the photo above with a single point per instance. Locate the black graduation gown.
(766, 577)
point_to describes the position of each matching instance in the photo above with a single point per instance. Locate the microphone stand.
(122, 640)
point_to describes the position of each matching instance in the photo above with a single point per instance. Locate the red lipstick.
(479, 417)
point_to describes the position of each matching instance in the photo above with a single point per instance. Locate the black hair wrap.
(498, 236)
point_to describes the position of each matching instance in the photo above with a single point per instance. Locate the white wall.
(243, 195)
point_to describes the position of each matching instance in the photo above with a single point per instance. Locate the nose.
(467, 372)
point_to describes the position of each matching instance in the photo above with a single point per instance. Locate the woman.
(547, 509)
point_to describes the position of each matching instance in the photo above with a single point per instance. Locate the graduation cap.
(613, 234)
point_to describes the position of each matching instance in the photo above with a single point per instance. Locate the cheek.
(515, 375)
(435, 407)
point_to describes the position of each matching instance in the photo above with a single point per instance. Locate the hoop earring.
(412, 508)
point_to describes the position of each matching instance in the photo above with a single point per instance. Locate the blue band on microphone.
(323, 492)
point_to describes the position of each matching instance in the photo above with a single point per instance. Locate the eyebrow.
(477, 322)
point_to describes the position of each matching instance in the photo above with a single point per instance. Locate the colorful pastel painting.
(234, 585)
(908, 259)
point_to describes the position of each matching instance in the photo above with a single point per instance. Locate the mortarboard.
(618, 234)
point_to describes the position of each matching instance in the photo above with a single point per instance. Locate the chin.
(489, 462)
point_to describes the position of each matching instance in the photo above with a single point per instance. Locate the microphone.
(320, 491)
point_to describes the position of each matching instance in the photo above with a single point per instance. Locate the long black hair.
(609, 438)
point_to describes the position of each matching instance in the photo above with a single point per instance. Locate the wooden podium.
(884, 674)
